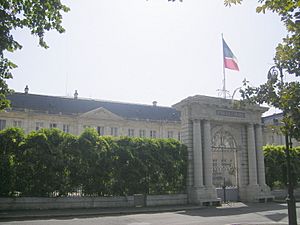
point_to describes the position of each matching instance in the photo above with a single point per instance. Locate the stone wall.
(282, 193)
(22, 203)
(156, 200)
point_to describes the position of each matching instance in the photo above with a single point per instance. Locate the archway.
(223, 141)
(224, 156)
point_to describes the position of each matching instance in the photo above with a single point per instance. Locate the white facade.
(104, 121)
(272, 134)
(224, 142)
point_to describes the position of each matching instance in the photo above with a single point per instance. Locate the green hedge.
(49, 162)
(275, 164)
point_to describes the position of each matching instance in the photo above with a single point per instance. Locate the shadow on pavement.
(225, 210)
(240, 208)
(267, 210)
(276, 217)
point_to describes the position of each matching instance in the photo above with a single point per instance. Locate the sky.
(140, 51)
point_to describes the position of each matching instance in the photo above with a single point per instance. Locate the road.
(238, 213)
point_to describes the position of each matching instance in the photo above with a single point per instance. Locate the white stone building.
(73, 115)
(33, 112)
(224, 143)
(272, 134)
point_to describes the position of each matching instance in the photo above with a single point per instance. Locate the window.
(224, 162)
(153, 133)
(17, 123)
(2, 124)
(272, 139)
(53, 125)
(130, 132)
(39, 125)
(215, 164)
(142, 133)
(170, 134)
(114, 131)
(66, 128)
(179, 136)
(100, 130)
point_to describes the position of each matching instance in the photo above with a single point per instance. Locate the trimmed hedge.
(275, 164)
(50, 162)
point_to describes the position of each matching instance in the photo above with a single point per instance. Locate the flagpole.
(224, 84)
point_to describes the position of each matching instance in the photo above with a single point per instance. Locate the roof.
(65, 105)
(272, 118)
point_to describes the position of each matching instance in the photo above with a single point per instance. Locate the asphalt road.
(238, 213)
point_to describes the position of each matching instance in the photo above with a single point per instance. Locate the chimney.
(154, 103)
(26, 89)
(76, 95)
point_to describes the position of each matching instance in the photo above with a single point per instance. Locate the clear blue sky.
(139, 51)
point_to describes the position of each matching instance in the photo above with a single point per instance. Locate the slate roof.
(272, 118)
(64, 105)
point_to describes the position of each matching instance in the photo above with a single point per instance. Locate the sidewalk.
(83, 212)
(273, 211)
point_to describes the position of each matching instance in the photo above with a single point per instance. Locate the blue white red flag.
(230, 61)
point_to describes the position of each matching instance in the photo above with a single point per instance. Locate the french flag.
(230, 61)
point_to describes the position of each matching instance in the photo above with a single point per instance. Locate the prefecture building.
(224, 142)
(72, 115)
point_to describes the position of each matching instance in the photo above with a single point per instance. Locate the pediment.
(100, 114)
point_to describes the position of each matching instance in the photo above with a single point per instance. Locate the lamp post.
(273, 73)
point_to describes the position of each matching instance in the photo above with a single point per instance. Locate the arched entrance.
(224, 147)
(224, 156)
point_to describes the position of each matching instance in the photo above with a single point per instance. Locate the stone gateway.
(224, 141)
(224, 149)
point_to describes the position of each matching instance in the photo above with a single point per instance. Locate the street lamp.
(272, 74)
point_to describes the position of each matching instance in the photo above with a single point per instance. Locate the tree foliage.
(281, 95)
(38, 17)
(275, 163)
(49, 162)
(11, 141)
(275, 92)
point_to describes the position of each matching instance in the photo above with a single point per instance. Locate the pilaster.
(208, 169)
(260, 156)
(197, 150)
(251, 155)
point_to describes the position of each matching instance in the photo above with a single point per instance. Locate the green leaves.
(275, 163)
(38, 17)
(288, 54)
(49, 162)
(279, 94)
(10, 144)
(232, 2)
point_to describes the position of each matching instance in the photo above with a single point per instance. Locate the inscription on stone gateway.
(230, 113)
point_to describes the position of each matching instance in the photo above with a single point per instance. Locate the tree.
(10, 141)
(276, 92)
(42, 169)
(276, 165)
(38, 17)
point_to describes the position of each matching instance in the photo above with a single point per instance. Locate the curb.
(65, 213)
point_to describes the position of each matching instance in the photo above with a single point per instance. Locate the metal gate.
(224, 155)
